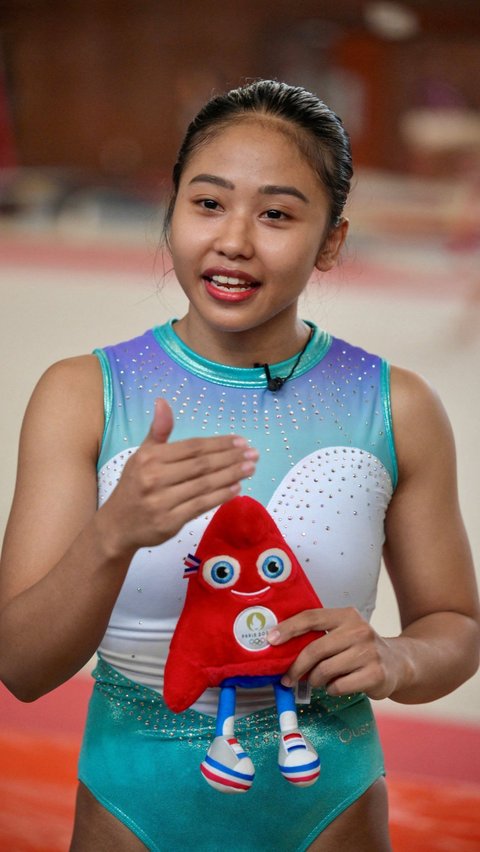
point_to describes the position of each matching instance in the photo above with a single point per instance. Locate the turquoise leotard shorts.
(141, 762)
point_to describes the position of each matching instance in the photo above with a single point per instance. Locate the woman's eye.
(209, 204)
(221, 571)
(274, 565)
(275, 214)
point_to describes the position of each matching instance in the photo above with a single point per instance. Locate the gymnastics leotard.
(326, 473)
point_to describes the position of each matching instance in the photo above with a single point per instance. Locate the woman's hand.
(164, 485)
(348, 657)
(64, 562)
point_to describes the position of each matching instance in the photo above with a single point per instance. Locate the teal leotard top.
(326, 472)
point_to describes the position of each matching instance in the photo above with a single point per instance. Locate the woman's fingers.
(165, 485)
(193, 496)
(321, 619)
(174, 464)
(348, 657)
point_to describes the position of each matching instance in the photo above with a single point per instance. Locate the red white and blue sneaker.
(297, 759)
(227, 767)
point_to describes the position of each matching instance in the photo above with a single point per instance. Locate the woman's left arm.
(430, 565)
(426, 552)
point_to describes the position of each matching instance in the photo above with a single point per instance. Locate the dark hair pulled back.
(318, 132)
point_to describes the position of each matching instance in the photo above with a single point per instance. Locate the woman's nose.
(234, 237)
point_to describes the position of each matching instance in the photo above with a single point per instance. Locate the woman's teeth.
(225, 282)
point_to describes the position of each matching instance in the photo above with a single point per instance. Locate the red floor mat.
(430, 816)
(37, 792)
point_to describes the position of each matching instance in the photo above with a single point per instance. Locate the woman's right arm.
(63, 562)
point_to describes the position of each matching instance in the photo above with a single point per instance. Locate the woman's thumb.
(162, 423)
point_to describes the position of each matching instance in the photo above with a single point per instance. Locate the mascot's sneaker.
(227, 767)
(297, 759)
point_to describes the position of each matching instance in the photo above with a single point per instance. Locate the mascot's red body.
(244, 578)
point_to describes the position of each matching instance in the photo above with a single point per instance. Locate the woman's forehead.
(253, 145)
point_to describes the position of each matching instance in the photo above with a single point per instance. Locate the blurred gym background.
(94, 99)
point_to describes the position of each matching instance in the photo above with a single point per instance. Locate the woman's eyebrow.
(273, 189)
(218, 181)
(268, 189)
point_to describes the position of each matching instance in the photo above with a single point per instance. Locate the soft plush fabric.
(242, 580)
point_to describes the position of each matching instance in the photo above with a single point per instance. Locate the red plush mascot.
(243, 580)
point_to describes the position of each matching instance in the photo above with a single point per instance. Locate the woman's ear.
(331, 246)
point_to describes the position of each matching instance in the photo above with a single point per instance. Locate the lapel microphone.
(275, 383)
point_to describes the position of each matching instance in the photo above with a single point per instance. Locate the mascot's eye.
(220, 572)
(274, 565)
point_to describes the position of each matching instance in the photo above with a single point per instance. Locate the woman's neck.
(277, 342)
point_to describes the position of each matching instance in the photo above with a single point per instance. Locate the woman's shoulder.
(413, 395)
(68, 397)
(75, 376)
(421, 424)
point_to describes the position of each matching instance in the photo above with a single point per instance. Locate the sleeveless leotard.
(326, 473)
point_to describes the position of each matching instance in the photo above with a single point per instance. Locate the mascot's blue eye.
(275, 565)
(272, 566)
(221, 571)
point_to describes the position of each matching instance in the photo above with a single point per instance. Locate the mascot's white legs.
(297, 759)
(228, 768)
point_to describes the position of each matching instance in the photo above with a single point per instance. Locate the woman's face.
(250, 223)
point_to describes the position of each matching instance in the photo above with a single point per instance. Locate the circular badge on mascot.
(251, 627)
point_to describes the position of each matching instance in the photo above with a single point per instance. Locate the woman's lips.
(229, 285)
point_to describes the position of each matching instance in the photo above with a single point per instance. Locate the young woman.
(351, 459)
